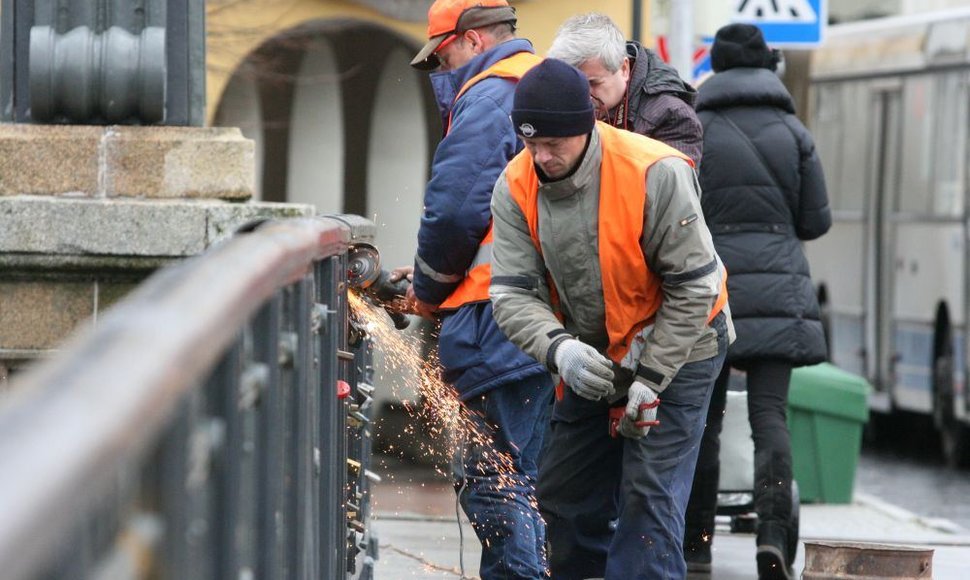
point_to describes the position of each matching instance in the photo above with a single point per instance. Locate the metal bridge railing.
(201, 429)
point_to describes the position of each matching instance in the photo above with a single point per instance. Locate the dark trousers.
(768, 382)
(614, 508)
(495, 477)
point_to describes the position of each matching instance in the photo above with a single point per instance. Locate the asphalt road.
(904, 467)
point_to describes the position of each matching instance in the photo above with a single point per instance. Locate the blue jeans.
(499, 497)
(589, 479)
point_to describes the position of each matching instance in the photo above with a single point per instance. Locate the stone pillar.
(87, 212)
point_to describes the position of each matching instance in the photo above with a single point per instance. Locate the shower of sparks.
(437, 414)
(438, 409)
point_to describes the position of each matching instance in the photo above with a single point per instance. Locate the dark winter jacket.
(474, 353)
(762, 192)
(661, 104)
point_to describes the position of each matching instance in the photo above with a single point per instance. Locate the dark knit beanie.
(552, 100)
(741, 45)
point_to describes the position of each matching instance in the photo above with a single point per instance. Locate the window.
(915, 191)
(856, 143)
(949, 145)
(827, 132)
(842, 140)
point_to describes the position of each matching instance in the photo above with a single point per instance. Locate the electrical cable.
(461, 489)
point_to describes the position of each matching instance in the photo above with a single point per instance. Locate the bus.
(888, 109)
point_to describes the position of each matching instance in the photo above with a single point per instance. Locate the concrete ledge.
(64, 259)
(111, 227)
(144, 162)
(124, 227)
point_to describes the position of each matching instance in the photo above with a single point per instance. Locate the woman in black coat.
(763, 193)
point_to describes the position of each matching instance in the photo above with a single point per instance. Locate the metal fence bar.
(270, 494)
(364, 544)
(179, 488)
(69, 427)
(332, 517)
(228, 467)
(308, 429)
(294, 467)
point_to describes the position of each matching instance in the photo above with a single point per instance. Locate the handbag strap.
(751, 146)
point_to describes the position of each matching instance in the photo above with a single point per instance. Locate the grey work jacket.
(676, 244)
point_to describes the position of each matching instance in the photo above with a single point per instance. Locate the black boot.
(773, 550)
(792, 544)
(697, 554)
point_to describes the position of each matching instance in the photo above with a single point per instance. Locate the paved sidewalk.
(419, 534)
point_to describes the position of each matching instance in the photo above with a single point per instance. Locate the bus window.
(827, 132)
(949, 149)
(856, 142)
(914, 195)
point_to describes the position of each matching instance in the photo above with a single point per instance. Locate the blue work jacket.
(475, 355)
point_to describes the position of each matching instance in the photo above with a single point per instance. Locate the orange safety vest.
(474, 287)
(632, 293)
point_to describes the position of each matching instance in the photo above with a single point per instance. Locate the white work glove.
(585, 370)
(636, 421)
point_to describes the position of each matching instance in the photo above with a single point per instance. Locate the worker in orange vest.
(604, 270)
(505, 392)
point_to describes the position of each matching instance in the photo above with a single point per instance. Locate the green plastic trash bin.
(827, 408)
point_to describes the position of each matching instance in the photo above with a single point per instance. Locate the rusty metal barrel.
(861, 561)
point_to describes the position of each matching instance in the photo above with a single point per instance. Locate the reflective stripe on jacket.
(631, 292)
(474, 286)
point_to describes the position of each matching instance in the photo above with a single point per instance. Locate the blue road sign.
(786, 23)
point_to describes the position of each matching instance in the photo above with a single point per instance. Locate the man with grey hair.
(631, 87)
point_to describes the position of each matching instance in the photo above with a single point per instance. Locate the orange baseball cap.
(450, 17)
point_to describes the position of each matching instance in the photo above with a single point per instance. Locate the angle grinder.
(364, 272)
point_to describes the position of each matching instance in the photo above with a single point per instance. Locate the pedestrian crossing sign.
(785, 23)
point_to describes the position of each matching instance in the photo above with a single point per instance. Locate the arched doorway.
(395, 183)
(345, 124)
(330, 97)
(315, 165)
